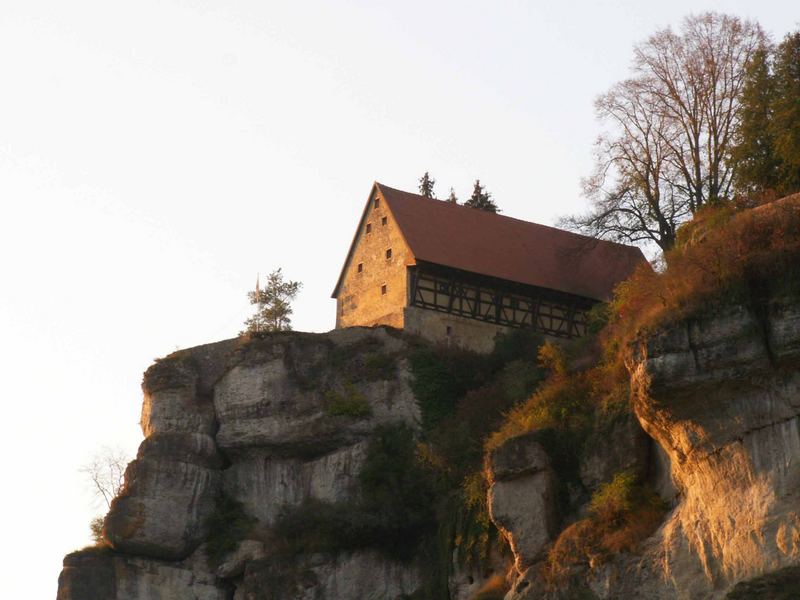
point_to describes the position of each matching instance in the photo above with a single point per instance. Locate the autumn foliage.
(724, 254)
(622, 513)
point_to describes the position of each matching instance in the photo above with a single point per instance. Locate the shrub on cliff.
(349, 403)
(226, 526)
(396, 489)
(622, 513)
(442, 376)
(395, 511)
(559, 404)
(726, 254)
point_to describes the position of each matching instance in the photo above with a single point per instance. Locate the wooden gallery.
(460, 275)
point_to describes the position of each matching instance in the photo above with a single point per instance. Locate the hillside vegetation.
(728, 254)
(427, 495)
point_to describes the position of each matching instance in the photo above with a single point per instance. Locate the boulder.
(162, 509)
(172, 400)
(266, 484)
(523, 497)
(307, 395)
(99, 574)
(720, 394)
(617, 443)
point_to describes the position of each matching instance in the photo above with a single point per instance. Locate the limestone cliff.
(719, 396)
(279, 422)
(270, 423)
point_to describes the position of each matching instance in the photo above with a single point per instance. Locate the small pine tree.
(273, 304)
(481, 199)
(426, 183)
(452, 198)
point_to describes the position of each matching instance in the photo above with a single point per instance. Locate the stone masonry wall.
(447, 329)
(360, 300)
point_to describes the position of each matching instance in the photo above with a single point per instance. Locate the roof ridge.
(575, 234)
(504, 247)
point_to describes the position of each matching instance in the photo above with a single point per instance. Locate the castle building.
(460, 275)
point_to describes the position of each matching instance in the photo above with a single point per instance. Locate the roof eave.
(349, 256)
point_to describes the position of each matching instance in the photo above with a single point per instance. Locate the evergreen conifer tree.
(426, 183)
(767, 154)
(452, 198)
(786, 113)
(754, 153)
(273, 304)
(481, 199)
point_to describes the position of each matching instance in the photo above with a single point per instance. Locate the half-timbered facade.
(460, 275)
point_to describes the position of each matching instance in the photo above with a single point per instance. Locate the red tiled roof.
(498, 246)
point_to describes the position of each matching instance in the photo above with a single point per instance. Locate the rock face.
(275, 422)
(362, 575)
(721, 395)
(103, 575)
(271, 423)
(523, 497)
(171, 486)
(620, 445)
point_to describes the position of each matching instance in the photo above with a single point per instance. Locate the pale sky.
(156, 155)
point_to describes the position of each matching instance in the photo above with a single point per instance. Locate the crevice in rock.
(228, 586)
(692, 345)
(758, 303)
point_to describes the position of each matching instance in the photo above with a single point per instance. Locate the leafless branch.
(106, 473)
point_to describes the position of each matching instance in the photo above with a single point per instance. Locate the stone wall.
(451, 330)
(361, 300)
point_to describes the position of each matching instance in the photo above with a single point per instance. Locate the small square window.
(389, 253)
(360, 267)
(369, 227)
(383, 289)
(384, 220)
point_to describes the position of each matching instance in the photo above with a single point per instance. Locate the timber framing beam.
(505, 303)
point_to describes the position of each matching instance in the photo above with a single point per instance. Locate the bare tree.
(632, 191)
(697, 77)
(106, 472)
(672, 129)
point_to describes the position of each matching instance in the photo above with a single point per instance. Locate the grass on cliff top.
(729, 253)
